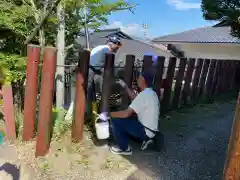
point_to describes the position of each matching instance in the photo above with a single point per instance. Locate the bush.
(12, 68)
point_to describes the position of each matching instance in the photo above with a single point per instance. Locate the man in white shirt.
(124, 123)
(97, 60)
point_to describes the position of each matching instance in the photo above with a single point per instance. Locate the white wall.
(211, 51)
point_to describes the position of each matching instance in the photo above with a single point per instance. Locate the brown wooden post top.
(232, 162)
(31, 91)
(81, 95)
(108, 78)
(46, 101)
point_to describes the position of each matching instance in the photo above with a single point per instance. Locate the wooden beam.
(232, 168)
(46, 101)
(31, 91)
(81, 94)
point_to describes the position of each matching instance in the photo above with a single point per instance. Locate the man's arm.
(130, 92)
(122, 114)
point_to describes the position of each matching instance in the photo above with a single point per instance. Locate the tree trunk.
(60, 57)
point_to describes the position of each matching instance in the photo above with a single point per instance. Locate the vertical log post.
(46, 101)
(31, 91)
(215, 77)
(196, 79)
(128, 77)
(168, 85)
(108, 78)
(219, 78)
(158, 76)
(204, 73)
(228, 74)
(178, 84)
(80, 95)
(209, 80)
(8, 109)
(147, 63)
(232, 168)
(187, 81)
(224, 74)
(233, 74)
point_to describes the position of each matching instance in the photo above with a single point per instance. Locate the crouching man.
(141, 115)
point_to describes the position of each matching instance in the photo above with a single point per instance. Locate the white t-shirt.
(146, 105)
(97, 56)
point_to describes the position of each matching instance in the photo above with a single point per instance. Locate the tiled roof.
(130, 45)
(201, 35)
(139, 48)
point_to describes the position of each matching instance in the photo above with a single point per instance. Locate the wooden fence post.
(128, 77)
(187, 81)
(46, 101)
(232, 168)
(8, 108)
(204, 74)
(31, 91)
(80, 95)
(147, 63)
(168, 85)
(215, 77)
(209, 80)
(227, 76)
(108, 78)
(220, 75)
(196, 79)
(234, 64)
(178, 84)
(224, 75)
(158, 76)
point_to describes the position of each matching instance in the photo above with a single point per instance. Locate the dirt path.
(196, 143)
(196, 150)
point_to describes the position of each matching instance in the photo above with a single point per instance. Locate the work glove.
(121, 83)
(103, 116)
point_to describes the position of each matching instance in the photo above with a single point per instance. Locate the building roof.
(130, 45)
(212, 34)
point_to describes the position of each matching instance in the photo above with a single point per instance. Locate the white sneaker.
(145, 144)
(117, 150)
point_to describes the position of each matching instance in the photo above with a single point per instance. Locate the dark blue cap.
(148, 77)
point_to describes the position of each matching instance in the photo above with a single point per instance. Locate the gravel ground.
(196, 143)
(196, 150)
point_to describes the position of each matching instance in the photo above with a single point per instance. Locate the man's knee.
(116, 122)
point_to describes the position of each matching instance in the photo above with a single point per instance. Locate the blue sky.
(163, 17)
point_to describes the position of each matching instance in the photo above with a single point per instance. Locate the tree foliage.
(19, 17)
(227, 10)
(12, 67)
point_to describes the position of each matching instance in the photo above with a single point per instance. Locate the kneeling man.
(141, 115)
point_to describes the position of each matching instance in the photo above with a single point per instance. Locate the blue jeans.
(123, 127)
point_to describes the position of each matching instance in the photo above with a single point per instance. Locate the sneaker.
(146, 143)
(117, 150)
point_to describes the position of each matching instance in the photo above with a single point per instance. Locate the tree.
(19, 17)
(223, 10)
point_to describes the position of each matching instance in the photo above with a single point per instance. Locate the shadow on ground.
(195, 146)
(11, 170)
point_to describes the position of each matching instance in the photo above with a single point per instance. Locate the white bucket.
(102, 130)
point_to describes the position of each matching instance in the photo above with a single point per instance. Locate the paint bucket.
(102, 129)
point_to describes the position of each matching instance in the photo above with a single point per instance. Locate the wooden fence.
(185, 81)
(178, 82)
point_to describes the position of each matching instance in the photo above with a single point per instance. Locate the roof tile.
(201, 35)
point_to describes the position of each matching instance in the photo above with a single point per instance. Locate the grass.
(59, 125)
(19, 121)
